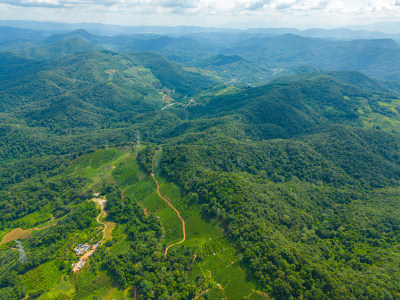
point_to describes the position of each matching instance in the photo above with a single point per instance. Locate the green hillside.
(187, 185)
(93, 89)
(59, 49)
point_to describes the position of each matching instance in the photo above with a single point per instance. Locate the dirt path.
(201, 294)
(178, 213)
(168, 105)
(102, 203)
(146, 213)
(105, 226)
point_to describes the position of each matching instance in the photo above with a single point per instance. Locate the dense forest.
(195, 170)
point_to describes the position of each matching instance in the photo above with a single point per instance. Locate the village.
(85, 251)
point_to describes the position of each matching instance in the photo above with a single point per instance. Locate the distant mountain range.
(372, 31)
(253, 56)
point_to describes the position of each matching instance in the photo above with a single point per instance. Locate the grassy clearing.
(119, 243)
(157, 162)
(142, 76)
(109, 230)
(16, 234)
(41, 218)
(228, 90)
(114, 293)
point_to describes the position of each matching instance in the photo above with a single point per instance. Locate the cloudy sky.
(236, 13)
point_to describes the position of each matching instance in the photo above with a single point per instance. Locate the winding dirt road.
(178, 213)
(102, 203)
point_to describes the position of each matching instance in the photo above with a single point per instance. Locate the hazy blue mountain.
(57, 49)
(374, 57)
(16, 38)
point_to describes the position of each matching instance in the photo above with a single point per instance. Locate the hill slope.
(286, 190)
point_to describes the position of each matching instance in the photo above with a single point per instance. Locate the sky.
(226, 13)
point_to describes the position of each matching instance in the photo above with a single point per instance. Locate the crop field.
(84, 277)
(65, 290)
(172, 225)
(171, 191)
(257, 296)
(386, 122)
(141, 75)
(142, 188)
(152, 202)
(222, 263)
(237, 285)
(215, 293)
(198, 231)
(220, 260)
(126, 172)
(114, 293)
(44, 277)
(97, 288)
(37, 218)
(98, 163)
(204, 236)
(120, 247)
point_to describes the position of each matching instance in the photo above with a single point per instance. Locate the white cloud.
(197, 11)
(221, 6)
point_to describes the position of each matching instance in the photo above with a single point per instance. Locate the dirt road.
(102, 203)
(178, 213)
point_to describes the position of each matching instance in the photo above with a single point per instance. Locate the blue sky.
(238, 13)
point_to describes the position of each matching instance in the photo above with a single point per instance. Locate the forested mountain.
(374, 57)
(265, 53)
(262, 169)
(94, 88)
